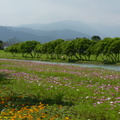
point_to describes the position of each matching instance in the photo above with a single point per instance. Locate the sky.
(18, 12)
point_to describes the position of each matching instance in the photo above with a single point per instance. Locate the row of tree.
(80, 49)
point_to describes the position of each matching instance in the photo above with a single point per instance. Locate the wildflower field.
(39, 91)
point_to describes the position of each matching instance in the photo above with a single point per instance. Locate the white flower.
(98, 102)
(108, 98)
(87, 97)
(77, 89)
(111, 102)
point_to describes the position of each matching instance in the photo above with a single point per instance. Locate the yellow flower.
(66, 118)
(31, 110)
(52, 118)
(5, 117)
(38, 119)
(60, 106)
(57, 115)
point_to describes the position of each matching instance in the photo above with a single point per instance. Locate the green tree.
(107, 54)
(13, 49)
(44, 48)
(96, 38)
(63, 47)
(38, 50)
(101, 49)
(27, 47)
(81, 46)
(68, 48)
(114, 48)
(91, 49)
(57, 46)
(58, 50)
(49, 47)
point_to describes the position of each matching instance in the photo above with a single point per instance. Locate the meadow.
(43, 57)
(39, 91)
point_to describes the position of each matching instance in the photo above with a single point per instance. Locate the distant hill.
(70, 25)
(91, 29)
(66, 30)
(55, 34)
(25, 34)
(7, 33)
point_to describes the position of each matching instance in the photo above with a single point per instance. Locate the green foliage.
(80, 49)
(50, 47)
(81, 45)
(58, 50)
(38, 49)
(90, 50)
(115, 46)
(69, 48)
(27, 47)
(95, 38)
(44, 48)
(13, 49)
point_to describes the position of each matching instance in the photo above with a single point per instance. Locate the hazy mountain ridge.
(61, 25)
(24, 34)
(63, 34)
(89, 29)
(7, 33)
(58, 30)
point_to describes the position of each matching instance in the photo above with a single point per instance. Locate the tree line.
(80, 49)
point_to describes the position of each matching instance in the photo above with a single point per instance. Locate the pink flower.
(118, 98)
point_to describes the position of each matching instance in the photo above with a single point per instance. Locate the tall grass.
(39, 91)
(8, 55)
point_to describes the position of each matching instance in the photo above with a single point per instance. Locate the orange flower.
(38, 119)
(60, 106)
(57, 115)
(6, 105)
(52, 118)
(2, 102)
(66, 118)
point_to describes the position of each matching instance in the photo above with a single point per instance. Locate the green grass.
(39, 91)
(44, 58)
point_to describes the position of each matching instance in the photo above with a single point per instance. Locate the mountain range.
(69, 25)
(66, 30)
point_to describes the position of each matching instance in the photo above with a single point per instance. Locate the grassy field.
(37, 91)
(44, 58)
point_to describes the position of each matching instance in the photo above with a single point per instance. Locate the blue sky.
(17, 12)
